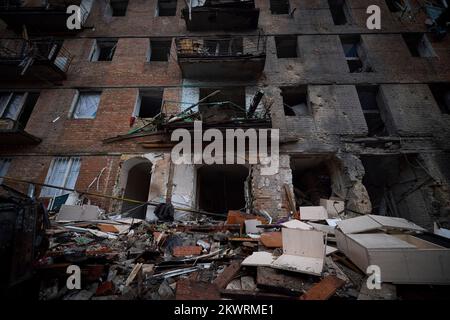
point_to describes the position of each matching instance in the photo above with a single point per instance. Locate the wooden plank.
(195, 290)
(230, 272)
(280, 282)
(271, 240)
(324, 289)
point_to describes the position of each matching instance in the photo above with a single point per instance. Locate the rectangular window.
(63, 173)
(369, 98)
(441, 93)
(159, 50)
(104, 50)
(4, 166)
(295, 101)
(166, 8)
(17, 106)
(286, 46)
(119, 7)
(279, 6)
(86, 105)
(354, 54)
(338, 11)
(418, 45)
(149, 103)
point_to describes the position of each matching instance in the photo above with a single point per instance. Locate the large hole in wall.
(311, 178)
(136, 177)
(221, 188)
(397, 186)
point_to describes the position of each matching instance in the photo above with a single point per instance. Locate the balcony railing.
(232, 57)
(25, 55)
(209, 15)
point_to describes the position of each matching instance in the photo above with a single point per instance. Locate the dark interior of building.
(221, 188)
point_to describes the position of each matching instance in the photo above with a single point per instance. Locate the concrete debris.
(121, 258)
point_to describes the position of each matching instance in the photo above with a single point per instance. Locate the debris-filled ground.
(317, 254)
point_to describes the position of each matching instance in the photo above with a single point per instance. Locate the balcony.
(13, 133)
(34, 60)
(221, 15)
(230, 58)
(42, 17)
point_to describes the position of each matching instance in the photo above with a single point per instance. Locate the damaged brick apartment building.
(364, 115)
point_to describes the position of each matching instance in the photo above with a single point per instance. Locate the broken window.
(224, 47)
(295, 101)
(4, 166)
(338, 11)
(441, 93)
(369, 97)
(149, 103)
(311, 180)
(63, 173)
(286, 46)
(394, 5)
(159, 50)
(166, 8)
(86, 105)
(229, 103)
(279, 6)
(104, 50)
(17, 106)
(119, 7)
(418, 45)
(221, 187)
(395, 185)
(355, 54)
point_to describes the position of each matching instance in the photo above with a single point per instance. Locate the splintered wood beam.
(324, 289)
(227, 275)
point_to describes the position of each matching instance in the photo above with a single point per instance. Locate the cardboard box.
(403, 258)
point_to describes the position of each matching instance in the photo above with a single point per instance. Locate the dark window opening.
(441, 93)
(149, 103)
(225, 47)
(137, 188)
(418, 45)
(393, 5)
(393, 184)
(104, 50)
(295, 101)
(160, 50)
(221, 187)
(286, 46)
(27, 108)
(119, 7)
(369, 99)
(229, 103)
(337, 8)
(166, 8)
(279, 6)
(355, 54)
(311, 179)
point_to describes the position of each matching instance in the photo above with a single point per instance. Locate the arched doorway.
(135, 181)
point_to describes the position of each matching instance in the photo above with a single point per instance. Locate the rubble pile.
(245, 257)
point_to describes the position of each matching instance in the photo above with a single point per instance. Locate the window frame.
(75, 101)
(49, 192)
(4, 109)
(5, 163)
